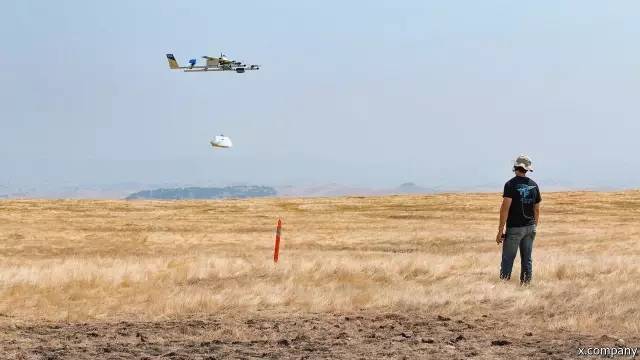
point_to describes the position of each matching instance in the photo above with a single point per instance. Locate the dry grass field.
(365, 272)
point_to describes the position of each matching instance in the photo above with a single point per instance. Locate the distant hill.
(334, 189)
(411, 188)
(204, 193)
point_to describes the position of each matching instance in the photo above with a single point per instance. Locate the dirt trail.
(363, 335)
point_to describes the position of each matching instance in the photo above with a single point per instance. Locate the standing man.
(520, 211)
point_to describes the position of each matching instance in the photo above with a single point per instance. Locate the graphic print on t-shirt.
(526, 195)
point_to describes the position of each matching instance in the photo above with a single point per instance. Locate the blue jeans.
(518, 237)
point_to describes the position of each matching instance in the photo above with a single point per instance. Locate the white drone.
(221, 63)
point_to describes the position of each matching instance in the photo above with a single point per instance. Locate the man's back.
(524, 194)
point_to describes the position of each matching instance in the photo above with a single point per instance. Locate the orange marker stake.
(276, 249)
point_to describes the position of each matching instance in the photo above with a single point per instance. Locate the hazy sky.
(355, 92)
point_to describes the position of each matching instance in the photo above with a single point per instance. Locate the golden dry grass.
(146, 260)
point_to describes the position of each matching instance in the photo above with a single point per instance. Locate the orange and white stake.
(276, 249)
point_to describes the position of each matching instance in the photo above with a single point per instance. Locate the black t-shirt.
(524, 193)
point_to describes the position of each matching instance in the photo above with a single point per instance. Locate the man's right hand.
(499, 237)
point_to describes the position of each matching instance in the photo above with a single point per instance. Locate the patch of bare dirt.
(363, 335)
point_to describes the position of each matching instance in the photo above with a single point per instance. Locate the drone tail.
(173, 64)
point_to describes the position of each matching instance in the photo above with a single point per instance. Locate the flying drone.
(221, 63)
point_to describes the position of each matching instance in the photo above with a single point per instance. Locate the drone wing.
(212, 61)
